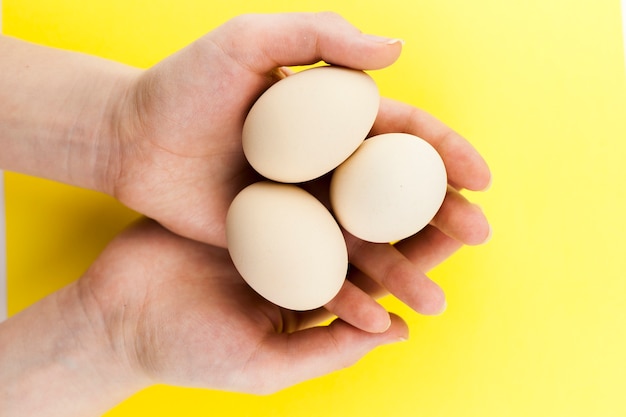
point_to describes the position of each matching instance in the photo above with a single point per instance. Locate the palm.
(191, 163)
(180, 124)
(189, 318)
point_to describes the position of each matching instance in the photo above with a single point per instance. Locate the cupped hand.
(178, 313)
(180, 159)
(159, 308)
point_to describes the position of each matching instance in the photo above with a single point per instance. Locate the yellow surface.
(536, 319)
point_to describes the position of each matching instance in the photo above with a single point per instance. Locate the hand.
(159, 308)
(190, 319)
(181, 161)
(174, 310)
(167, 141)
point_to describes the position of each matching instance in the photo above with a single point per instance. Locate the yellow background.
(536, 324)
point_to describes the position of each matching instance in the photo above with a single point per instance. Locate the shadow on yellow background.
(536, 319)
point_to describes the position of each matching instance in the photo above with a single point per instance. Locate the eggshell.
(286, 245)
(308, 123)
(390, 188)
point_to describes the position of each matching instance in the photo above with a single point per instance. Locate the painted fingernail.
(382, 39)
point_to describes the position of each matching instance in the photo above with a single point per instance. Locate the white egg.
(389, 189)
(308, 123)
(286, 245)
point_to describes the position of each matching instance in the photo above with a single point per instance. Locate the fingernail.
(380, 328)
(387, 325)
(382, 39)
(489, 235)
(488, 186)
(443, 309)
(399, 339)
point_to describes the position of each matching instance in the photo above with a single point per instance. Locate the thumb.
(306, 354)
(263, 42)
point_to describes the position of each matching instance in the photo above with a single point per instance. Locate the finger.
(263, 42)
(462, 220)
(428, 248)
(425, 250)
(367, 285)
(389, 268)
(466, 168)
(356, 307)
(287, 359)
(352, 304)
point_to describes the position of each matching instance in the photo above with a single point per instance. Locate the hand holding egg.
(168, 144)
(384, 189)
(185, 169)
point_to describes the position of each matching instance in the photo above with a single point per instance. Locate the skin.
(163, 303)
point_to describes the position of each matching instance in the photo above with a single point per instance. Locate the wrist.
(59, 113)
(58, 358)
(104, 132)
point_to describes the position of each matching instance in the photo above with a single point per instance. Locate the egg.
(389, 189)
(305, 125)
(286, 245)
